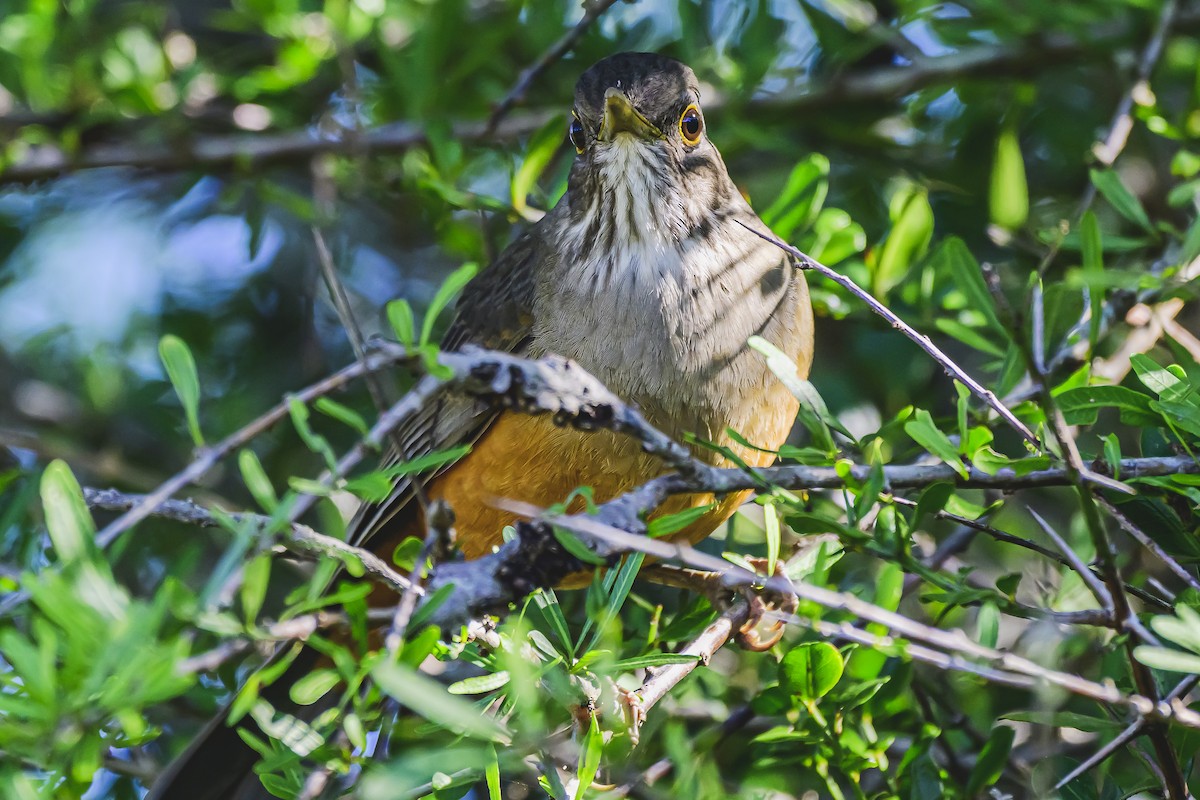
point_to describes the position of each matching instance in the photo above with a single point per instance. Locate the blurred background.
(163, 167)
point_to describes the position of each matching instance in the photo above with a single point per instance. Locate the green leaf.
(575, 546)
(925, 433)
(1065, 719)
(968, 336)
(589, 758)
(313, 440)
(785, 369)
(653, 660)
(801, 198)
(426, 697)
(313, 686)
(1166, 659)
(445, 293)
(428, 461)
(492, 775)
(404, 324)
(622, 583)
(835, 237)
(1121, 198)
(1182, 629)
(771, 526)
(406, 553)
(256, 480)
(912, 229)
(480, 684)
(992, 760)
(68, 521)
(987, 624)
(541, 149)
(1008, 197)
(373, 487)
(1180, 415)
(1081, 406)
(255, 577)
(811, 669)
(1093, 273)
(355, 732)
(955, 258)
(181, 369)
(343, 414)
(1159, 379)
(671, 524)
(546, 601)
(1189, 251)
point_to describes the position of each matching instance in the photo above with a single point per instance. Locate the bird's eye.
(691, 126)
(578, 137)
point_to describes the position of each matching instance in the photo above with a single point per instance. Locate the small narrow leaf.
(313, 686)
(256, 480)
(181, 369)
(404, 325)
(1093, 272)
(445, 293)
(925, 433)
(541, 149)
(343, 414)
(255, 577)
(1123, 200)
(771, 525)
(589, 758)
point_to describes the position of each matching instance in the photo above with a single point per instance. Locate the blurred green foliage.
(937, 153)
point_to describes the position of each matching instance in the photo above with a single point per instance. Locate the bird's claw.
(753, 634)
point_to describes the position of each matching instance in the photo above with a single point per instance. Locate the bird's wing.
(495, 311)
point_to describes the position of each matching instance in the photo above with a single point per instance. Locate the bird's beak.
(621, 117)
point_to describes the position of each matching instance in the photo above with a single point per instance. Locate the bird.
(651, 274)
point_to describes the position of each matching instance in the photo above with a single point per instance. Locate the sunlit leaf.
(811, 669)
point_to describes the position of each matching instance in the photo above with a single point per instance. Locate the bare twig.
(297, 538)
(1154, 547)
(922, 341)
(710, 640)
(591, 10)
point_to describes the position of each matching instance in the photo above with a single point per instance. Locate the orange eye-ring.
(691, 125)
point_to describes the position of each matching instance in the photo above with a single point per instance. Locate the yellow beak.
(621, 117)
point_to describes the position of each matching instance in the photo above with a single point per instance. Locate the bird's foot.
(757, 633)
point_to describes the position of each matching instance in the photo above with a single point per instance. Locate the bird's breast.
(665, 325)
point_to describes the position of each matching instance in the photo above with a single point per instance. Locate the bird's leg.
(752, 635)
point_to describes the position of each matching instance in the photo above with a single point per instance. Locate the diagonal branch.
(922, 341)
(592, 9)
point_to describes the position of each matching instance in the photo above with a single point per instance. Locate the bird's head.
(645, 169)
